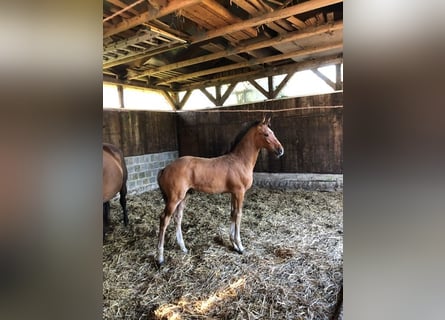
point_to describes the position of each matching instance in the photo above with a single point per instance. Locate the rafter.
(252, 62)
(265, 19)
(173, 6)
(293, 36)
(270, 71)
(143, 55)
(127, 8)
(232, 79)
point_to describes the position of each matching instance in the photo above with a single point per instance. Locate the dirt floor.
(292, 267)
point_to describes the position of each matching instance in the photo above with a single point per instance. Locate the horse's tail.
(164, 195)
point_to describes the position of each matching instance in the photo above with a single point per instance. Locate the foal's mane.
(242, 133)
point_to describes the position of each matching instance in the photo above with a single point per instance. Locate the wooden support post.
(120, 93)
(270, 87)
(338, 82)
(218, 95)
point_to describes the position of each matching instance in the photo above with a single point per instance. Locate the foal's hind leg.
(178, 218)
(123, 202)
(166, 216)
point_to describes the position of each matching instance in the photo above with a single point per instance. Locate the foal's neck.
(247, 151)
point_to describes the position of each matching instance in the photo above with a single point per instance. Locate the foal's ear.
(266, 120)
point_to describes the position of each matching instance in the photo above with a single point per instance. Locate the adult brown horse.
(114, 180)
(229, 173)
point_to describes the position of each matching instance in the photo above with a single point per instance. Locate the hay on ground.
(292, 267)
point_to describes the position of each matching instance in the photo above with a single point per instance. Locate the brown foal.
(230, 173)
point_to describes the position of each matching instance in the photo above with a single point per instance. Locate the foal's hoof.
(238, 250)
(159, 264)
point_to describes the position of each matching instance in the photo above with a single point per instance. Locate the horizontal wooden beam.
(127, 8)
(265, 19)
(246, 76)
(252, 62)
(143, 55)
(270, 71)
(108, 79)
(292, 36)
(173, 6)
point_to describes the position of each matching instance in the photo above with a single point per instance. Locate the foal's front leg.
(235, 225)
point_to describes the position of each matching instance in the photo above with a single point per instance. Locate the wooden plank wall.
(312, 138)
(140, 132)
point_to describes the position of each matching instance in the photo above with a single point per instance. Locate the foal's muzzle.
(279, 152)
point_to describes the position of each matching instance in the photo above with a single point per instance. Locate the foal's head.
(265, 138)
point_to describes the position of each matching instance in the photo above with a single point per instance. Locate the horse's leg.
(166, 216)
(235, 238)
(106, 214)
(123, 202)
(178, 218)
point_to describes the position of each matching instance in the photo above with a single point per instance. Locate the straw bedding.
(292, 267)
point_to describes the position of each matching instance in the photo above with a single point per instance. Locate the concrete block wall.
(143, 170)
(305, 181)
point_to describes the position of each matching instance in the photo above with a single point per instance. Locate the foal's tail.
(164, 195)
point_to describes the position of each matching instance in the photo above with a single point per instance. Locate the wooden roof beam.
(269, 71)
(143, 55)
(127, 8)
(232, 79)
(173, 6)
(259, 8)
(293, 36)
(121, 5)
(278, 57)
(265, 19)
